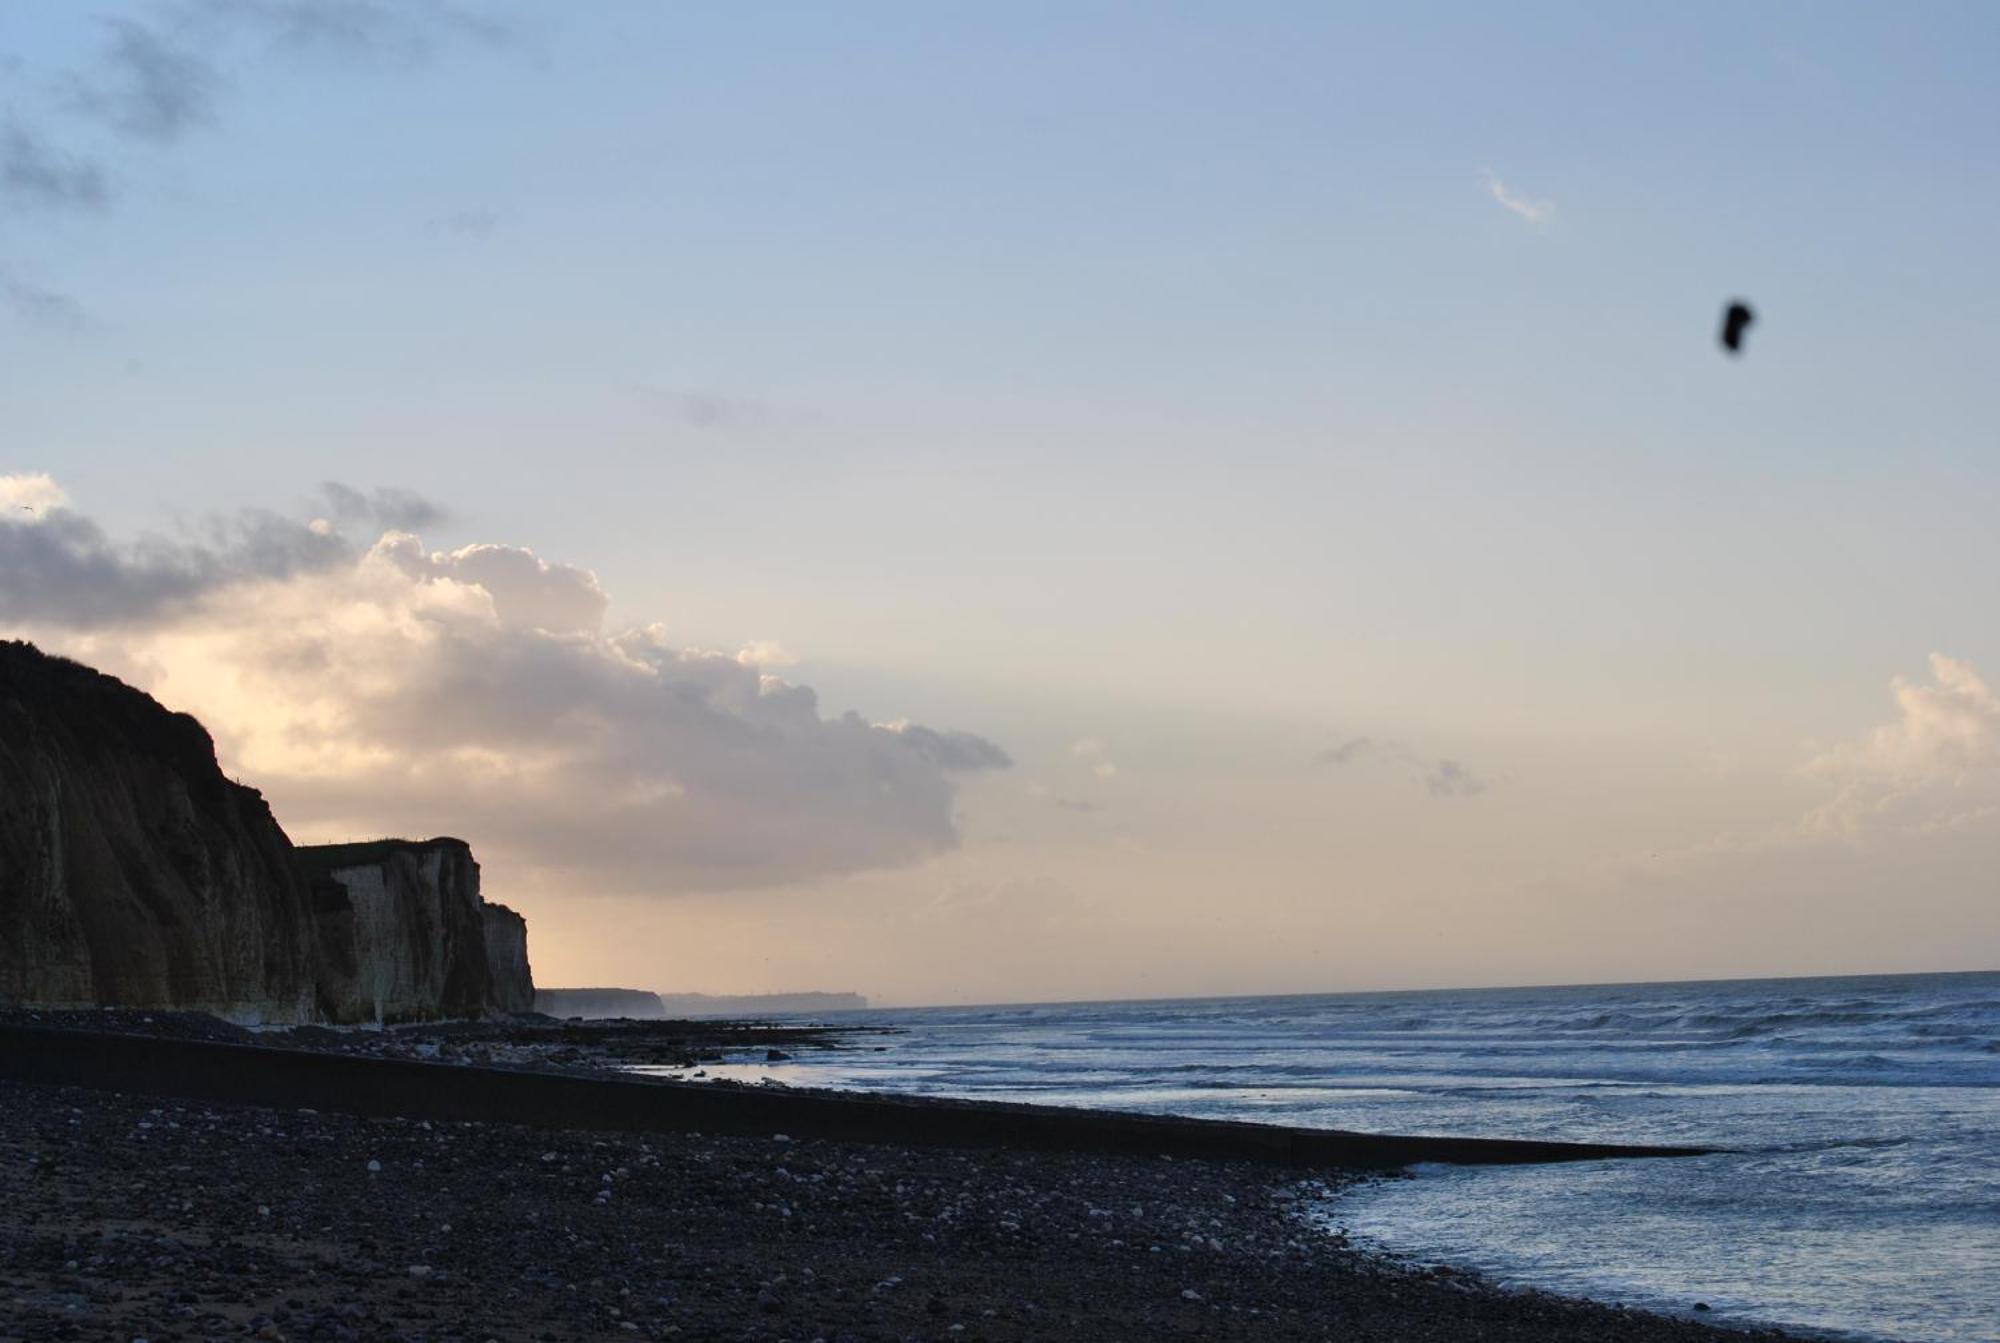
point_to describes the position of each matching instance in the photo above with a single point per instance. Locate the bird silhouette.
(1736, 319)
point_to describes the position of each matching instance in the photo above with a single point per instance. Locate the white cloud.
(1093, 750)
(526, 591)
(31, 492)
(474, 692)
(1932, 766)
(1534, 212)
(766, 653)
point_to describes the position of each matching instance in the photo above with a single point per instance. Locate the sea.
(1858, 1196)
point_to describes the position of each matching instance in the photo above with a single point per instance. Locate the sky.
(1044, 501)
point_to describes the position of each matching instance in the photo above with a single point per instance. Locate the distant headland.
(644, 1005)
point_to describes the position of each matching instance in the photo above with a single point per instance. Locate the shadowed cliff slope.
(133, 873)
(131, 870)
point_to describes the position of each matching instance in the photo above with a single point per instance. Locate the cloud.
(58, 567)
(526, 590)
(1933, 765)
(401, 31)
(36, 175)
(710, 410)
(157, 81)
(1534, 212)
(149, 87)
(949, 750)
(1346, 751)
(1441, 778)
(44, 307)
(396, 689)
(30, 491)
(1094, 750)
(466, 223)
(398, 510)
(1447, 778)
(765, 653)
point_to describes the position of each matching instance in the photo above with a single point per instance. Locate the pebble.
(684, 1256)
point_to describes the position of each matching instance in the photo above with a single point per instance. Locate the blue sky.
(1170, 375)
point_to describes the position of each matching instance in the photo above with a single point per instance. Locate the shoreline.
(134, 1217)
(211, 1071)
(140, 1215)
(1734, 1324)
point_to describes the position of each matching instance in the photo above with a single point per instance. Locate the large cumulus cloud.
(395, 688)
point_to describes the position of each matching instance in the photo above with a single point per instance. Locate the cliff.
(640, 1004)
(636, 1003)
(131, 871)
(758, 1004)
(134, 874)
(507, 957)
(417, 927)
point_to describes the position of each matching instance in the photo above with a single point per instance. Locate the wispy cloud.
(387, 507)
(1441, 777)
(378, 30)
(41, 305)
(1447, 778)
(471, 224)
(149, 87)
(36, 175)
(157, 79)
(1533, 211)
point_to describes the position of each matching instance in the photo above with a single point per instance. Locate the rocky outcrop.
(513, 988)
(133, 874)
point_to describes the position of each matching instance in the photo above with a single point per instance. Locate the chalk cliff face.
(417, 926)
(507, 958)
(132, 873)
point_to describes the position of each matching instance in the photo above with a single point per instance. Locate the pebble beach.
(136, 1217)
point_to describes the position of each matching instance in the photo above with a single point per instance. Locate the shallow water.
(1862, 1194)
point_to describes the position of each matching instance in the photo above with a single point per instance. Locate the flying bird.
(1737, 318)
